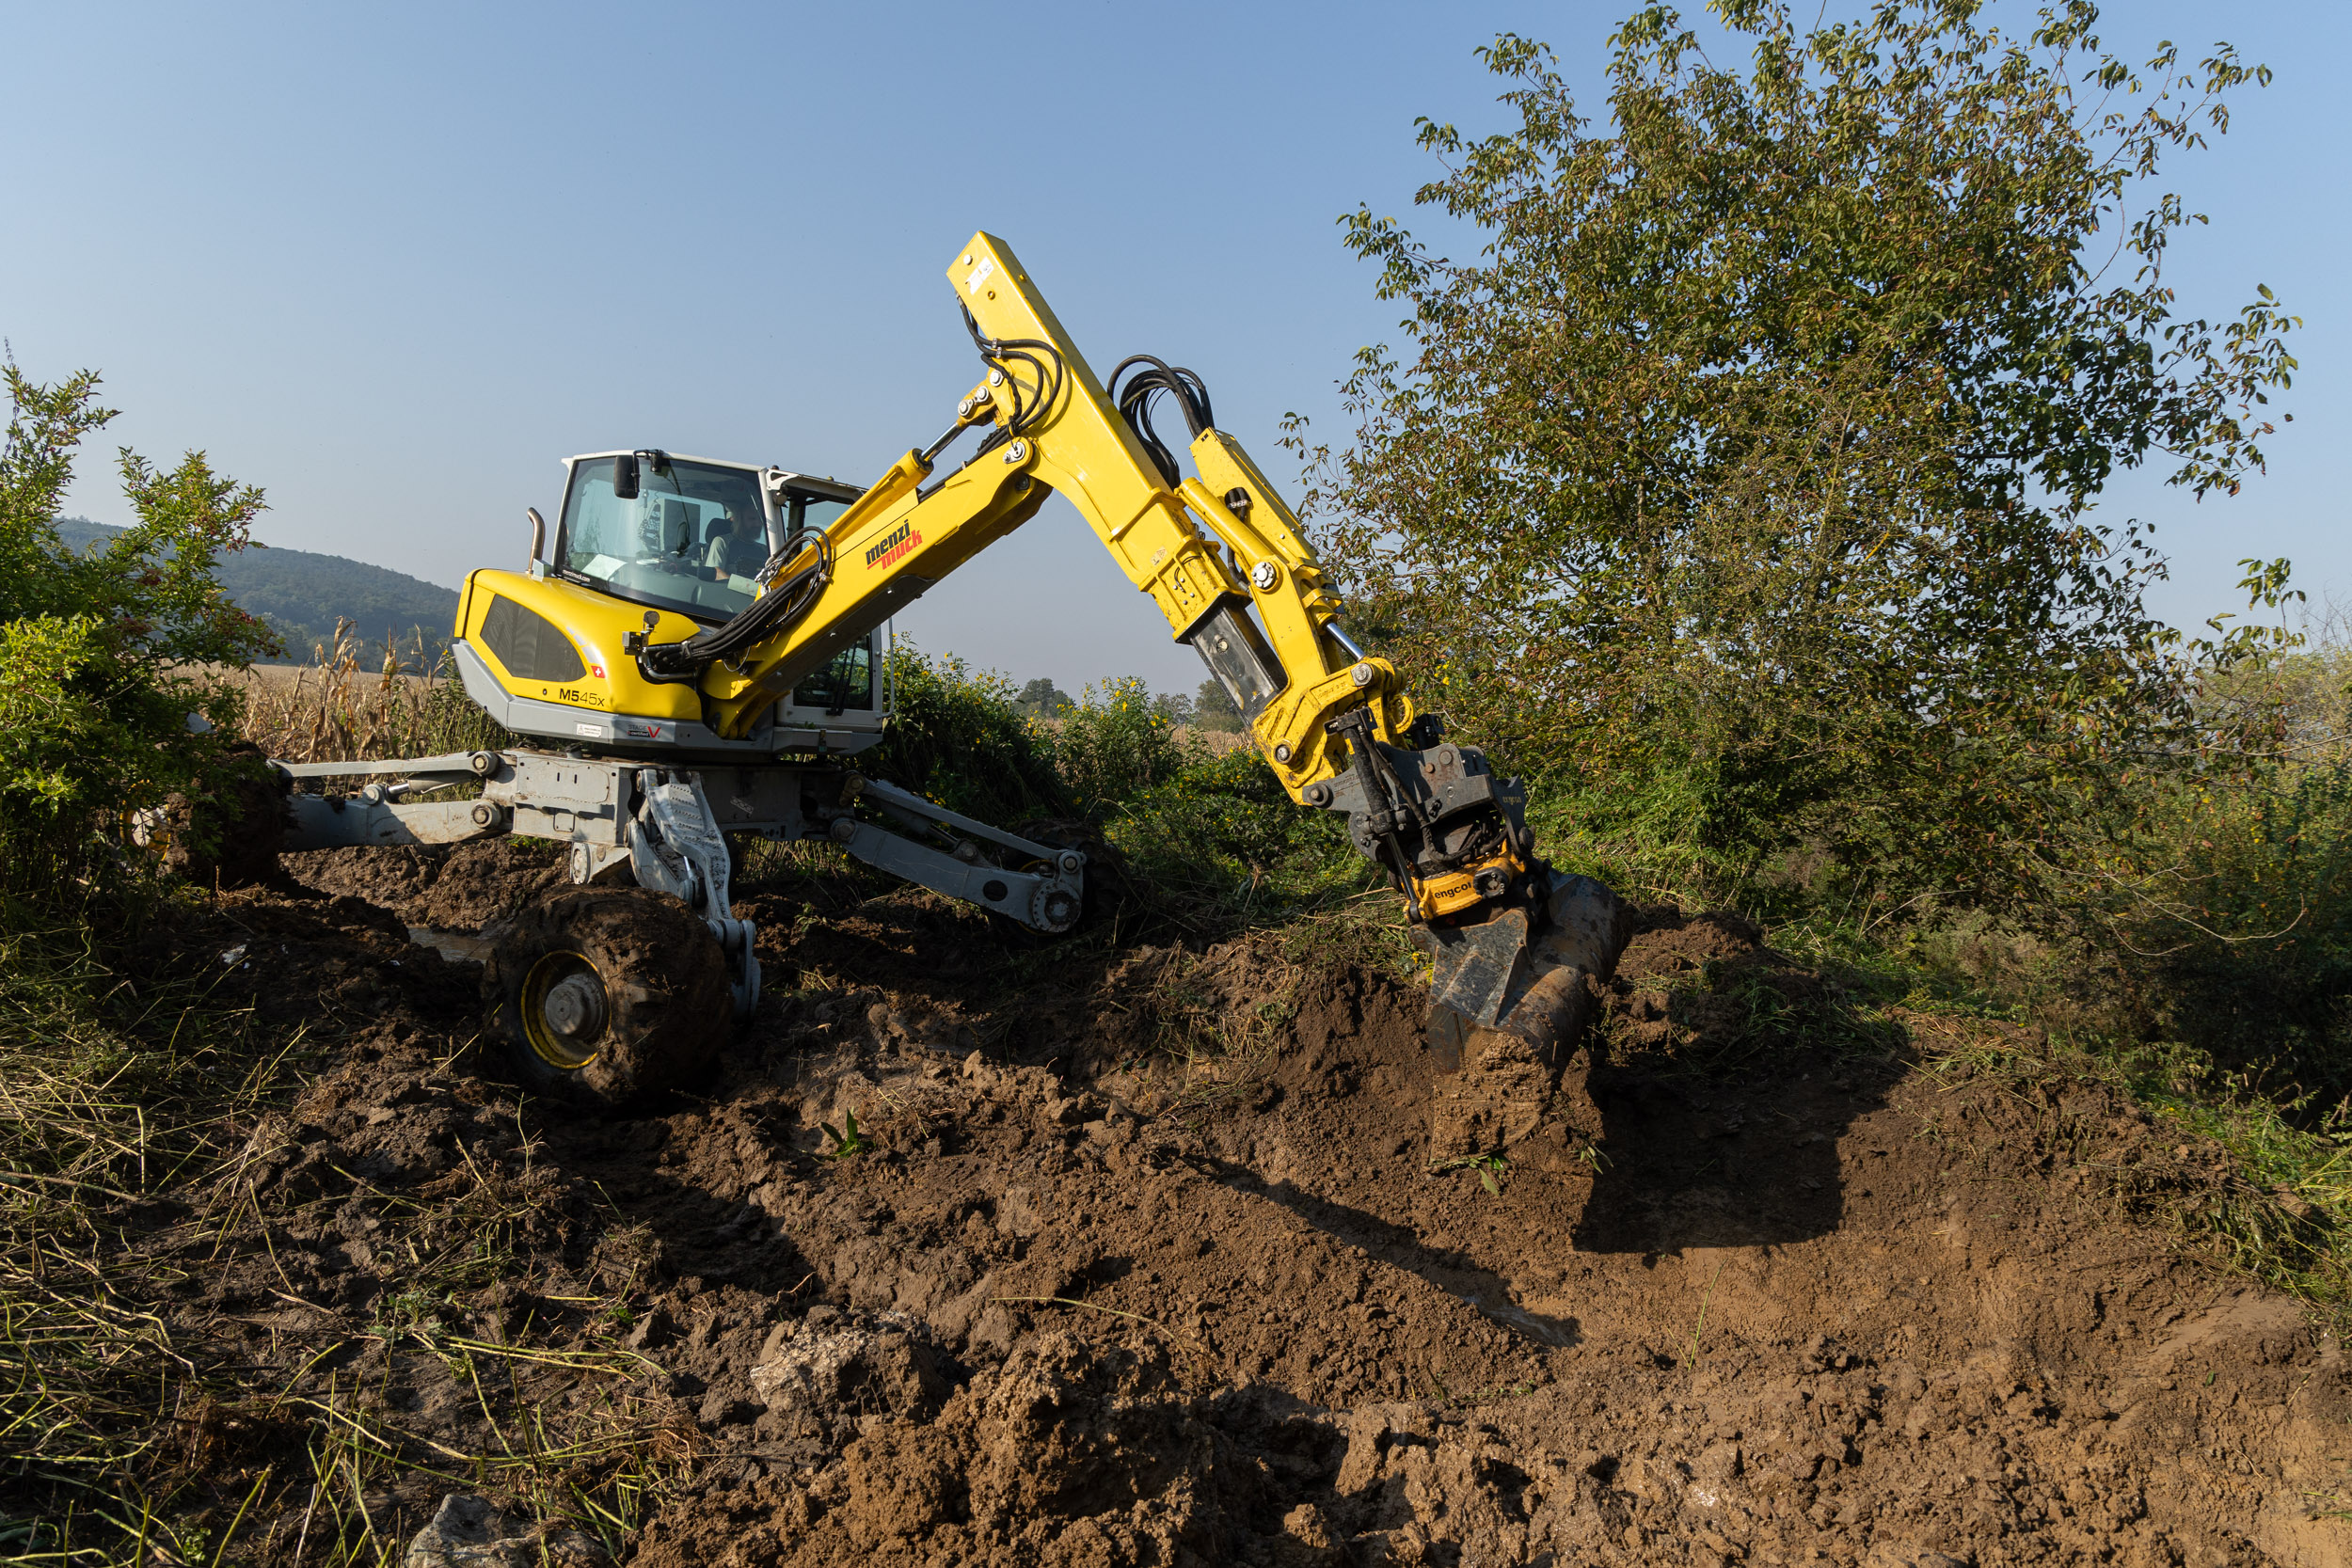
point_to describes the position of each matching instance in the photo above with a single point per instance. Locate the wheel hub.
(1055, 909)
(564, 1010)
(575, 1007)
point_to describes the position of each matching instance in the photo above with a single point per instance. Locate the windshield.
(693, 539)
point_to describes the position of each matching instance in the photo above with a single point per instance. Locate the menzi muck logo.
(892, 546)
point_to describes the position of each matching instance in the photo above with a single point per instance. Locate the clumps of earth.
(1074, 1291)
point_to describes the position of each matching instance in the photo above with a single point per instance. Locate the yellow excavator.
(699, 652)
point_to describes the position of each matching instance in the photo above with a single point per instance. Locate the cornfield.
(338, 709)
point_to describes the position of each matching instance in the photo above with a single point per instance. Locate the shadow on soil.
(1398, 1245)
(1748, 1164)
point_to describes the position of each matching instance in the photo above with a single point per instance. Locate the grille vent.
(532, 647)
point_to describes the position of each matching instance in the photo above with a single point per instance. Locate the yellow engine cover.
(555, 641)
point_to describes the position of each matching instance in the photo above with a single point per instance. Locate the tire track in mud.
(1084, 1312)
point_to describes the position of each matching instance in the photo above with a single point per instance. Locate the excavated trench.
(1078, 1301)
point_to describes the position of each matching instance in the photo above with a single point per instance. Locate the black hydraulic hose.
(1135, 405)
(677, 663)
(684, 662)
(1000, 353)
(1356, 725)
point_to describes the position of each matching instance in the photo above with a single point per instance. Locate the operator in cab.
(740, 550)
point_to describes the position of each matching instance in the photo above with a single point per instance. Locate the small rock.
(725, 1407)
(1016, 1213)
(651, 1331)
(471, 1532)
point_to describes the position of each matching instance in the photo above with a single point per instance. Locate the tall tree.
(1044, 696)
(1745, 478)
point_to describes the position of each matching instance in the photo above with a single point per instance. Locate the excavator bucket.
(1511, 1000)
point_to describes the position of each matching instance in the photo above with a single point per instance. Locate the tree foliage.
(1044, 698)
(102, 653)
(1745, 481)
(1214, 708)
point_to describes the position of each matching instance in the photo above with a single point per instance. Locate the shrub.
(102, 654)
(1222, 829)
(958, 737)
(1114, 743)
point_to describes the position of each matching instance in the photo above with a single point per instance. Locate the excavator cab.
(651, 543)
(689, 534)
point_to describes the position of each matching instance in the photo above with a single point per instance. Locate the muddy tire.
(604, 995)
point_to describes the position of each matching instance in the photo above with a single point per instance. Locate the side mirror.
(624, 477)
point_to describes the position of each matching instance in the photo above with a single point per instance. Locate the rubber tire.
(668, 1004)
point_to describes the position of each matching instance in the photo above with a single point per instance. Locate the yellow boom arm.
(899, 538)
(1051, 426)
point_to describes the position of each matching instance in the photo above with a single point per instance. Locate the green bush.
(97, 649)
(1215, 833)
(2231, 924)
(1114, 742)
(958, 737)
(1223, 830)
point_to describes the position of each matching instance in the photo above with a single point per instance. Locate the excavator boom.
(1224, 558)
(1220, 554)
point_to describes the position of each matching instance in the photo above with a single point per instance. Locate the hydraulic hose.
(789, 598)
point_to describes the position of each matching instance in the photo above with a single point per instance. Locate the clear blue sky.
(394, 262)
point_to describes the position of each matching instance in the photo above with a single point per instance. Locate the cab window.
(692, 539)
(843, 683)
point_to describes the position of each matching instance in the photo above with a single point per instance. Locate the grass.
(1490, 1170)
(113, 1092)
(2281, 1211)
(130, 1433)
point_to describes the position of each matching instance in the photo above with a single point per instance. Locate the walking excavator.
(697, 652)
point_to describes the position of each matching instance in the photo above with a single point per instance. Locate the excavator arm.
(1511, 942)
(1334, 723)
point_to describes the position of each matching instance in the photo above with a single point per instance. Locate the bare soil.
(1087, 1298)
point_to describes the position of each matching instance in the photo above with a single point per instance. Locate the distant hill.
(302, 594)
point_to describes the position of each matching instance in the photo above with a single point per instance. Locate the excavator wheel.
(1110, 885)
(604, 995)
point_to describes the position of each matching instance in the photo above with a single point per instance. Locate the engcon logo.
(892, 546)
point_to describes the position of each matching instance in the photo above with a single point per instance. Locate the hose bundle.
(787, 600)
(1135, 405)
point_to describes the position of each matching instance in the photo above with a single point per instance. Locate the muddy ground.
(1141, 1261)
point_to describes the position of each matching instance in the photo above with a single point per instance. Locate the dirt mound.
(1071, 1290)
(461, 887)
